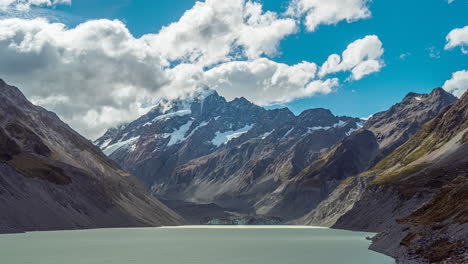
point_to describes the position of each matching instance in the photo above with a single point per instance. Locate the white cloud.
(212, 31)
(97, 70)
(97, 74)
(362, 57)
(264, 81)
(365, 68)
(329, 12)
(24, 5)
(458, 84)
(261, 81)
(458, 37)
(450, 1)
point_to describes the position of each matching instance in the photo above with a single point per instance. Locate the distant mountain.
(52, 178)
(417, 196)
(205, 149)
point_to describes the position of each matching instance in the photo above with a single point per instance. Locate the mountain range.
(203, 149)
(249, 160)
(200, 159)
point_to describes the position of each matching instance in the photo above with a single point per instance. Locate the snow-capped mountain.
(206, 149)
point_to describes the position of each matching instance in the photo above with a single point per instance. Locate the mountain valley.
(206, 160)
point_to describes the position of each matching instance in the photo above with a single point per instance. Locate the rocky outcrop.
(52, 178)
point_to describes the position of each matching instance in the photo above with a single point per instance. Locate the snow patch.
(224, 137)
(202, 124)
(105, 143)
(418, 98)
(173, 114)
(339, 124)
(265, 135)
(179, 134)
(129, 144)
(359, 125)
(287, 133)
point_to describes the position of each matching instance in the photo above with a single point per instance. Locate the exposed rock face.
(395, 126)
(417, 196)
(52, 178)
(234, 154)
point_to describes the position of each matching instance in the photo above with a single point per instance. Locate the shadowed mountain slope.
(52, 178)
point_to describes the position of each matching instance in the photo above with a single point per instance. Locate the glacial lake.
(191, 245)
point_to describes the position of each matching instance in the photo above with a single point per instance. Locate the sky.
(98, 63)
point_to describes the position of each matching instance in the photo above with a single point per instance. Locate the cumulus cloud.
(458, 84)
(24, 5)
(328, 12)
(93, 69)
(212, 31)
(264, 81)
(458, 37)
(97, 74)
(362, 57)
(261, 81)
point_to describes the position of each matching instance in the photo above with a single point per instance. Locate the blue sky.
(412, 33)
(408, 28)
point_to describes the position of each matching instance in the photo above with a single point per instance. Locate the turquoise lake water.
(194, 245)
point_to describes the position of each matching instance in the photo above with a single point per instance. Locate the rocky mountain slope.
(417, 196)
(52, 178)
(204, 149)
(382, 133)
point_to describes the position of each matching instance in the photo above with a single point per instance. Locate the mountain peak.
(11, 92)
(437, 94)
(440, 92)
(241, 100)
(316, 112)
